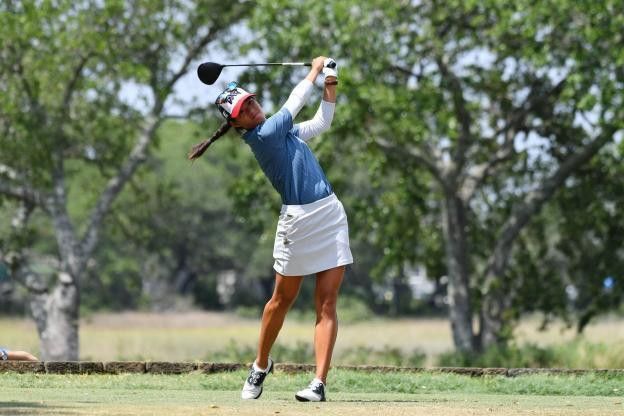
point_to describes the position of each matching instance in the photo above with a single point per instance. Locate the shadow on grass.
(31, 408)
(388, 401)
(377, 401)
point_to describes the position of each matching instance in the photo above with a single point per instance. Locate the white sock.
(256, 368)
(317, 380)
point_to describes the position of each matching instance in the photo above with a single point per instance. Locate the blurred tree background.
(476, 147)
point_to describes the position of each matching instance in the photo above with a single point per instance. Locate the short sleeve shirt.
(287, 160)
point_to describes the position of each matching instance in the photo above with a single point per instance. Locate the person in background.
(8, 355)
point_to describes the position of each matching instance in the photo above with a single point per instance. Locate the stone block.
(62, 367)
(91, 367)
(22, 367)
(119, 367)
(163, 367)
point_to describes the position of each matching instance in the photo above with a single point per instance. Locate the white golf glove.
(330, 68)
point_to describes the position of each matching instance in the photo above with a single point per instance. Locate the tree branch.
(15, 258)
(139, 152)
(23, 276)
(407, 71)
(415, 153)
(498, 299)
(22, 193)
(9, 172)
(520, 114)
(473, 177)
(476, 175)
(116, 184)
(71, 85)
(461, 113)
(38, 109)
(194, 50)
(533, 201)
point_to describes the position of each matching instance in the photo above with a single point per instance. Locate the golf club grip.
(275, 63)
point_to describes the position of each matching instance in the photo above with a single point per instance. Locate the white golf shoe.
(252, 389)
(315, 392)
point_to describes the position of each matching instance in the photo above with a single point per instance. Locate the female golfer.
(312, 234)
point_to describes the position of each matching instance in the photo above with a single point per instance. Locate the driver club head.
(209, 72)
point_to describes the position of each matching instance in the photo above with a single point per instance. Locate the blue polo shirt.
(287, 160)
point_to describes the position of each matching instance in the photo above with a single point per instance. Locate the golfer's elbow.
(324, 125)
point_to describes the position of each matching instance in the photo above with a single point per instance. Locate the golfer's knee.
(281, 301)
(326, 308)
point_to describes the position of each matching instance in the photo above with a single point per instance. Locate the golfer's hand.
(318, 63)
(330, 68)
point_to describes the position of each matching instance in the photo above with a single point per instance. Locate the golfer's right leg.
(284, 294)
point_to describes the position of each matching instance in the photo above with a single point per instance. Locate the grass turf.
(350, 393)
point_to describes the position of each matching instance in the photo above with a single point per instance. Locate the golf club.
(208, 72)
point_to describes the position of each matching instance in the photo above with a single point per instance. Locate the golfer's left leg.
(325, 299)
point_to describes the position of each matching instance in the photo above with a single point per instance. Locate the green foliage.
(446, 84)
(363, 355)
(303, 352)
(85, 83)
(65, 68)
(528, 356)
(576, 354)
(176, 224)
(52, 109)
(574, 245)
(352, 310)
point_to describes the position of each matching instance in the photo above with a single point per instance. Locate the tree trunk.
(498, 294)
(460, 311)
(56, 315)
(56, 309)
(492, 323)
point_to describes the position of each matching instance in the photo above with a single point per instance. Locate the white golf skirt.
(312, 238)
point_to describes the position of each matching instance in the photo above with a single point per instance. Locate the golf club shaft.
(275, 63)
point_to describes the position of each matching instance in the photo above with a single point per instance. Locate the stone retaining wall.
(163, 367)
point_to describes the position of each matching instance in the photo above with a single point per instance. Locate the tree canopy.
(481, 139)
(469, 117)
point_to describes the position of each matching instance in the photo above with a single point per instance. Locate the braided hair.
(200, 148)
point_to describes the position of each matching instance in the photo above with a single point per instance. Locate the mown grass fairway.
(351, 393)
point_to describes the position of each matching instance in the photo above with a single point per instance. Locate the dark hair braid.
(200, 148)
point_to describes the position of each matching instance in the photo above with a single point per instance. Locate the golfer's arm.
(298, 97)
(319, 123)
(324, 115)
(329, 91)
(301, 93)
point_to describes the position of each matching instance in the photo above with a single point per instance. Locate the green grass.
(349, 393)
(343, 381)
